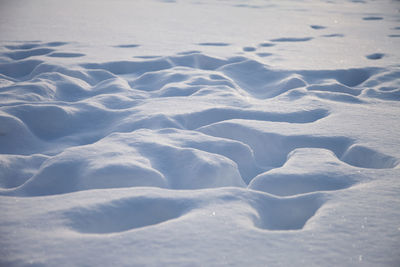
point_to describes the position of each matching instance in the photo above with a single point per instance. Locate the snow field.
(117, 124)
(221, 153)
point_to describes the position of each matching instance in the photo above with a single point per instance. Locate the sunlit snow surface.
(259, 133)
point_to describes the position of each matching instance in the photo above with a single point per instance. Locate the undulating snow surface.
(199, 133)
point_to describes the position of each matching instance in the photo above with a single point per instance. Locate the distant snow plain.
(199, 133)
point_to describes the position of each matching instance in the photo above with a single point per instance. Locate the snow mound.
(167, 158)
(307, 170)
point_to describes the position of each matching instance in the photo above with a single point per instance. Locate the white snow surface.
(199, 133)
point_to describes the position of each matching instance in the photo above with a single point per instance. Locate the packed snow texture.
(222, 148)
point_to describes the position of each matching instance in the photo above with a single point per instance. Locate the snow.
(260, 133)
